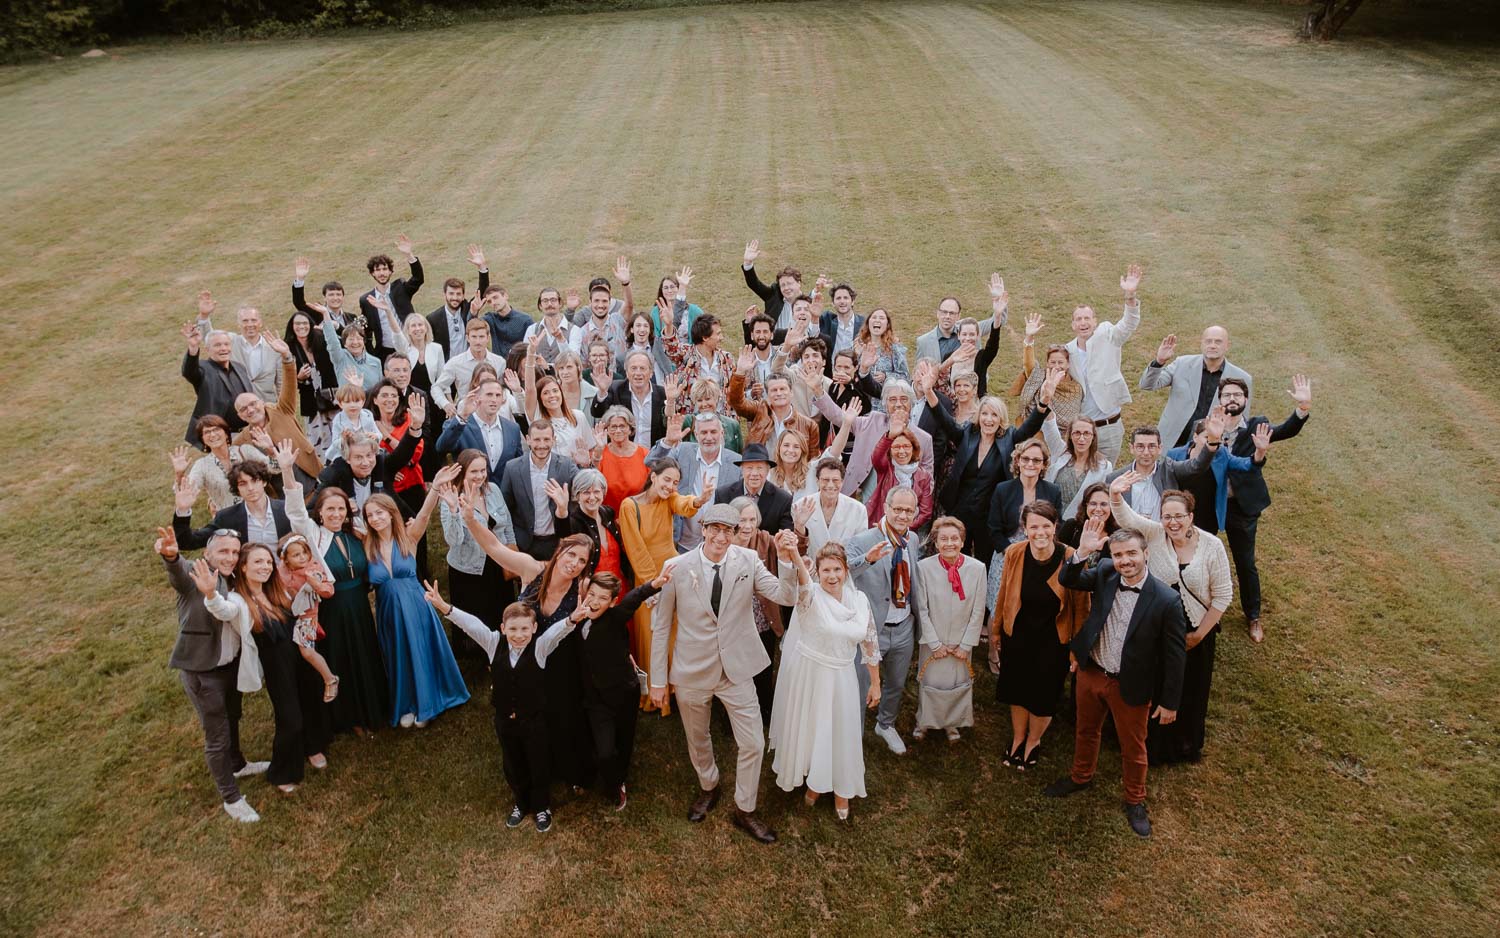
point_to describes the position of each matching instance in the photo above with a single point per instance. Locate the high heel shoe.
(1014, 758)
(841, 811)
(811, 798)
(1032, 757)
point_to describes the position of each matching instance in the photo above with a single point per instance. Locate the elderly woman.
(707, 396)
(623, 461)
(1035, 618)
(209, 474)
(1194, 563)
(588, 514)
(950, 612)
(828, 515)
(768, 621)
(1076, 461)
(895, 415)
(1028, 462)
(896, 466)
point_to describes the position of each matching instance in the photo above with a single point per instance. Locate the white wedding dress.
(817, 723)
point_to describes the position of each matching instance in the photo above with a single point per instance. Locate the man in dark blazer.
(775, 503)
(398, 293)
(486, 430)
(250, 481)
(1133, 642)
(522, 485)
(216, 383)
(1248, 495)
(777, 297)
(842, 314)
(631, 391)
(207, 655)
(446, 323)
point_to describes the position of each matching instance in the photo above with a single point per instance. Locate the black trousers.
(765, 681)
(1182, 739)
(524, 760)
(317, 727)
(612, 718)
(1241, 530)
(279, 659)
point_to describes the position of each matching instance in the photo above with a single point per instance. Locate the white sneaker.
(318, 761)
(407, 719)
(241, 811)
(892, 738)
(252, 768)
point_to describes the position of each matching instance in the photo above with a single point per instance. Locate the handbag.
(642, 677)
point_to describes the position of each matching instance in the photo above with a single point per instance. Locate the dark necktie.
(717, 590)
(1130, 589)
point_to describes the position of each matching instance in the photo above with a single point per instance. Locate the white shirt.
(641, 407)
(255, 354)
(494, 438)
(843, 337)
(455, 325)
(541, 525)
(261, 530)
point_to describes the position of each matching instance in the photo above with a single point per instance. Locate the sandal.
(811, 798)
(331, 689)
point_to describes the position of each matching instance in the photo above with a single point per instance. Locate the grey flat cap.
(719, 514)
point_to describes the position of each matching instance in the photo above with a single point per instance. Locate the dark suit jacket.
(1005, 508)
(383, 477)
(437, 320)
(1248, 492)
(234, 518)
(216, 388)
(770, 295)
(1155, 640)
(619, 393)
(457, 437)
(775, 503)
(200, 634)
(515, 485)
(402, 290)
(828, 331)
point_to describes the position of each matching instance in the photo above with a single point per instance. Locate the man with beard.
(446, 323)
(397, 294)
(1248, 496)
(553, 331)
(606, 316)
(760, 332)
(767, 420)
(777, 298)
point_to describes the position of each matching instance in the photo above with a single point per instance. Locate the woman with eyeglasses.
(1194, 563)
(1028, 463)
(1076, 460)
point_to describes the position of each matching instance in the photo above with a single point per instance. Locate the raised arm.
(1130, 320)
(524, 566)
(483, 636)
(1159, 373)
(417, 525)
(1127, 517)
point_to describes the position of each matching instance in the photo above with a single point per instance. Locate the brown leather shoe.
(703, 804)
(1257, 634)
(754, 826)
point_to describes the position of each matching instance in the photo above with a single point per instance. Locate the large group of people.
(638, 519)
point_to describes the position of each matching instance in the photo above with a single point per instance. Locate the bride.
(816, 726)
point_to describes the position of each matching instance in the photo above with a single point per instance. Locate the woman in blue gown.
(423, 676)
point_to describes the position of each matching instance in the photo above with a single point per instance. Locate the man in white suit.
(1194, 380)
(1094, 362)
(716, 652)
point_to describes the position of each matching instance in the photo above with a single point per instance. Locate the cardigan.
(1205, 580)
(1075, 603)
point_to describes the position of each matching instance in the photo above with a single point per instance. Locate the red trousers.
(1098, 692)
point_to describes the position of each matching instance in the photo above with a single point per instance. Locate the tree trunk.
(1328, 17)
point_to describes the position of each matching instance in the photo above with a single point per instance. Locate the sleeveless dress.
(423, 677)
(817, 722)
(349, 644)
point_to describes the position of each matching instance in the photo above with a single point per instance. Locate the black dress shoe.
(1064, 787)
(1139, 822)
(704, 804)
(754, 826)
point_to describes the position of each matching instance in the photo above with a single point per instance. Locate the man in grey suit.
(207, 658)
(705, 622)
(524, 486)
(942, 340)
(1155, 474)
(705, 466)
(1194, 382)
(883, 562)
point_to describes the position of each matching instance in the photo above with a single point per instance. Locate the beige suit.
(717, 656)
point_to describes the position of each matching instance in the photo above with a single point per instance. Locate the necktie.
(717, 590)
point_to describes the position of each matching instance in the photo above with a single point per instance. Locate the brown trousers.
(1098, 692)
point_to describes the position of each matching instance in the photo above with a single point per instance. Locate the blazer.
(200, 636)
(928, 342)
(1155, 649)
(515, 485)
(828, 331)
(687, 531)
(760, 424)
(1210, 493)
(339, 474)
(1251, 497)
(216, 388)
(708, 649)
(996, 468)
(458, 436)
(1182, 375)
(1173, 473)
(402, 289)
(868, 429)
(775, 504)
(1070, 615)
(770, 295)
(1101, 377)
(1005, 508)
(264, 381)
(235, 518)
(437, 320)
(874, 579)
(619, 394)
(946, 619)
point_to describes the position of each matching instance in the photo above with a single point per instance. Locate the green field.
(1336, 207)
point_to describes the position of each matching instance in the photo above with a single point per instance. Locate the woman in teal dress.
(423, 677)
(348, 643)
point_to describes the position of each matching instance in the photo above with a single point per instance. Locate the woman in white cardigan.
(1076, 460)
(828, 515)
(1193, 562)
(425, 355)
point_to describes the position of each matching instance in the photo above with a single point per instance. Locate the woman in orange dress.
(623, 461)
(646, 535)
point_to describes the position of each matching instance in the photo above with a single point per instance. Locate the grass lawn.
(1336, 207)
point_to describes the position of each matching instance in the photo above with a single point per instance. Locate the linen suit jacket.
(1155, 649)
(1248, 488)
(1181, 375)
(437, 320)
(234, 518)
(775, 503)
(708, 649)
(927, 342)
(402, 289)
(216, 388)
(515, 485)
(458, 436)
(874, 579)
(1101, 377)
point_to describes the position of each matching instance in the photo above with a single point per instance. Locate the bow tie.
(1130, 589)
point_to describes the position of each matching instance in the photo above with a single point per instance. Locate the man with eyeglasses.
(1160, 474)
(881, 563)
(942, 340)
(553, 329)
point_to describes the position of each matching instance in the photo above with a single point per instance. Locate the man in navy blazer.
(524, 487)
(485, 429)
(249, 480)
(1133, 642)
(841, 319)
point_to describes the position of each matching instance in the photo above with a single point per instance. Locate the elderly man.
(774, 502)
(218, 383)
(896, 397)
(1193, 380)
(705, 465)
(636, 392)
(265, 427)
(251, 347)
(767, 420)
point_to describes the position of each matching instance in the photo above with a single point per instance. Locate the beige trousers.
(695, 706)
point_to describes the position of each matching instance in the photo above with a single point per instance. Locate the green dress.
(349, 642)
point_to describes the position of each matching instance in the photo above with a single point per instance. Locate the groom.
(716, 652)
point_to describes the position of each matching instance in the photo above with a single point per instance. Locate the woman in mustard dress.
(646, 535)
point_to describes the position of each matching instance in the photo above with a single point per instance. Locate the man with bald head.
(265, 426)
(1194, 382)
